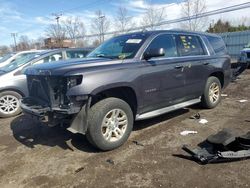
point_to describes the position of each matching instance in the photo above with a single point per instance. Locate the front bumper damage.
(49, 103)
(76, 119)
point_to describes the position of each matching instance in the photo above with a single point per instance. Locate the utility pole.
(102, 17)
(57, 17)
(14, 35)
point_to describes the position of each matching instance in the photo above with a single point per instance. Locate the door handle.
(206, 63)
(178, 67)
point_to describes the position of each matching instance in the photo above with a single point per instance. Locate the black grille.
(50, 90)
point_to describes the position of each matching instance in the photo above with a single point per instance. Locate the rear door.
(193, 53)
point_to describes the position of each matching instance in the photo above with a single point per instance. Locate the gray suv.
(129, 77)
(13, 84)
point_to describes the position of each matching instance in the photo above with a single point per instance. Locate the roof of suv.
(174, 31)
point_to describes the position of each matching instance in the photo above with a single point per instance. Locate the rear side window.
(166, 42)
(189, 45)
(50, 58)
(75, 54)
(218, 45)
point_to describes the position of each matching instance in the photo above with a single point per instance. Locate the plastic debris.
(196, 116)
(224, 95)
(243, 100)
(79, 170)
(203, 121)
(110, 161)
(185, 133)
(225, 146)
(137, 143)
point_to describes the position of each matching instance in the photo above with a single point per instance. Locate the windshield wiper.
(103, 56)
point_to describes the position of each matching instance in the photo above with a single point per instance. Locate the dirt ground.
(32, 155)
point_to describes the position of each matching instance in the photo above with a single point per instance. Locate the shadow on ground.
(31, 133)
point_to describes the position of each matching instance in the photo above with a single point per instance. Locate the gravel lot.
(32, 155)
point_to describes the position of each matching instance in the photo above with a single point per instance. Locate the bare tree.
(100, 25)
(122, 20)
(24, 43)
(4, 50)
(192, 9)
(153, 17)
(74, 28)
(57, 32)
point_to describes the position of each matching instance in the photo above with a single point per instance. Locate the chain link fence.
(235, 42)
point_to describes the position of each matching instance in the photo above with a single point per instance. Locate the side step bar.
(161, 111)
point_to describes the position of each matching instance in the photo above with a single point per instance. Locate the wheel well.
(15, 90)
(125, 93)
(220, 76)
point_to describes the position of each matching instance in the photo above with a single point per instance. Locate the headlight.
(74, 81)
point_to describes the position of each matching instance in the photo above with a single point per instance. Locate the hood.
(246, 50)
(63, 67)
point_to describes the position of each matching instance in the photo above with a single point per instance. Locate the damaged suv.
(129, 77)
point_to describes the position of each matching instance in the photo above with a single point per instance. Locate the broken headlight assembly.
(74, 81)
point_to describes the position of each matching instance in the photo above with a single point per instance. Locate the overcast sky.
(32, 17)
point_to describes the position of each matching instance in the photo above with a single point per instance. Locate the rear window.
(218, 45)
(76, 54)
(189, 45)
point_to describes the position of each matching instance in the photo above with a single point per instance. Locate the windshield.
(6, 57)
(121, 47)
(18, 62)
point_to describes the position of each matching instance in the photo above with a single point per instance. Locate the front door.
(164, 77)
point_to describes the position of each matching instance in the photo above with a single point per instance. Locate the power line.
(201, 15)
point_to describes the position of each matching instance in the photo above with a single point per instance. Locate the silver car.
(13, 85)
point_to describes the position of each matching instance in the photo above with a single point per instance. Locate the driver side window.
(167, 42)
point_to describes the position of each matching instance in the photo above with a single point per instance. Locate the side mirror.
(156, 52)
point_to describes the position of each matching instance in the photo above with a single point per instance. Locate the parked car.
(14, 86)
(129, 77)
(245, 55)
(10, 57)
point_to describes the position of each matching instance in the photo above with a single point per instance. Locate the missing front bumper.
(75, 117)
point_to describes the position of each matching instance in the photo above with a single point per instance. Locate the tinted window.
(218, 45)
(189, 45)
(75, 54)
(166, 42)
(50, 58)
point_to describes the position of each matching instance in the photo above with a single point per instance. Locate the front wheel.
(212, 93)
(9, 104)
(110, 123)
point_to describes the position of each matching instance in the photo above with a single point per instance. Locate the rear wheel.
(212, 93)
(9, 104)
(110, 123)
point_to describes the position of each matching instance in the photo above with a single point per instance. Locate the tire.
(212, 93)
(9, 104)
(105, 135)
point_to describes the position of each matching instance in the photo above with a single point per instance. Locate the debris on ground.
(224, 95)
(110, 161)
(185, 133)
(242, 100)
(196, 116)
(79, 170)
(203, 121)
(225, 146)
(137, 143)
